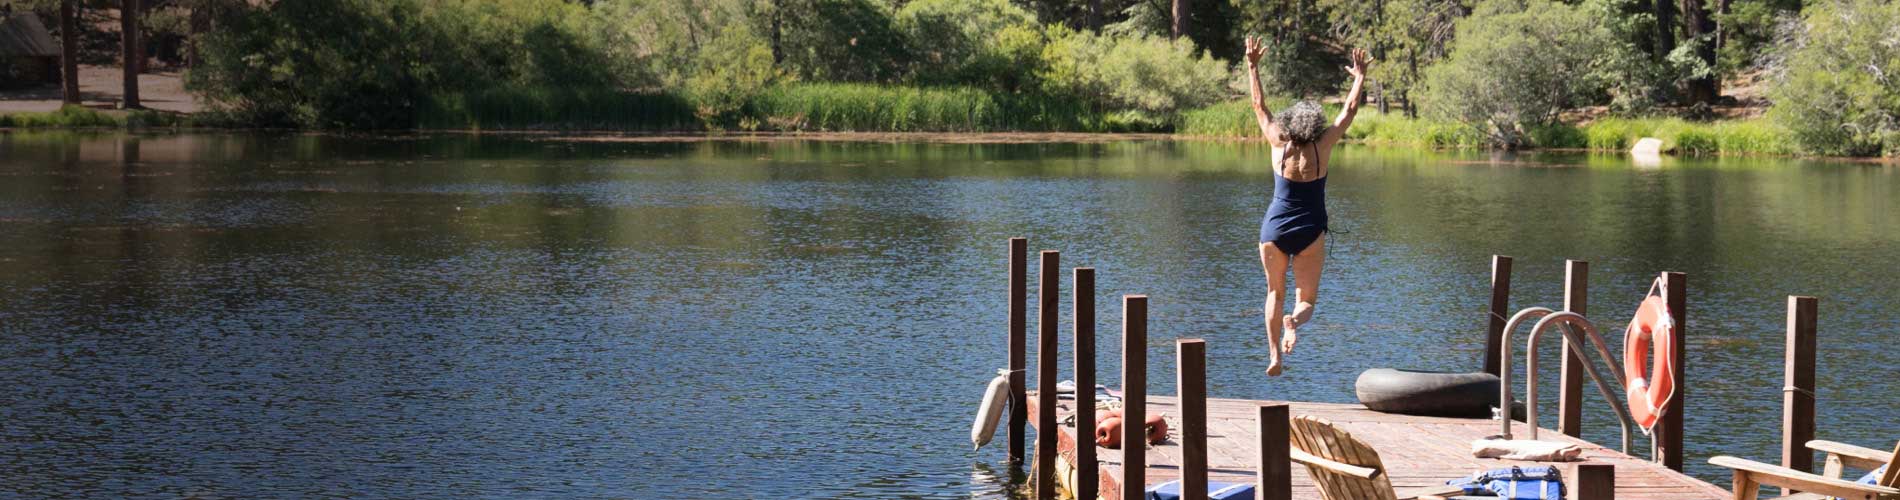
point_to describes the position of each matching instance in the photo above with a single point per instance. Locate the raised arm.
(1358, 71)
(1263, 116)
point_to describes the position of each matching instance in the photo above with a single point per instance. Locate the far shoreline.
(971, 138)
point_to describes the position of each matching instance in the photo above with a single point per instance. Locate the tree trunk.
(1721, 32)
(69, 51)
(1411, 57)
(1647, 44)
(778, 20)
(1665, 28)
(1699, 27)
(1180, 20)
(200, 24)
(130, 56)
(1095, 16)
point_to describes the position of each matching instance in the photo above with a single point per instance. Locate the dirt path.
(100, 88)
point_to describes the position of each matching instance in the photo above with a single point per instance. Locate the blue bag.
(1541, 482)
(1872, 477)
(1216, 490)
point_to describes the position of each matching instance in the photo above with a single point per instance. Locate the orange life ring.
(1650, 390)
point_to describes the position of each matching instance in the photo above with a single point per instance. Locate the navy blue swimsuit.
(1297, 216)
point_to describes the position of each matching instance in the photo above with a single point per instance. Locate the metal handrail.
(1571, 322)
(1504, 363)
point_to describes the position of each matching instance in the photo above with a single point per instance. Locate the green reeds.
(542, 108)
(1729, 137)
(844, 107)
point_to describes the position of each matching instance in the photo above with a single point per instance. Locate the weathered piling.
(1596, 482)
(1669, 431)
(1500, 310)
(1570, 392)
(1134, 481)
(1275, 470)
(1018, 345)
(1087, 469)
(1797, 396)
(1191, 382)
(1047, 296)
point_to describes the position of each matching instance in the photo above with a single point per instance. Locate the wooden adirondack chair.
(1343, 467)
(1750, 475)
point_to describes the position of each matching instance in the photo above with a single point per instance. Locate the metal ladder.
(1576, 329)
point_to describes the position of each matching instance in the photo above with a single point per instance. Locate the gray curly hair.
(1302, 123)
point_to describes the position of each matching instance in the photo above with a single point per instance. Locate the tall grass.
(1231, 118)
(75, 116)
(861, 108)
(1372, 127)
(542, 108)
(1753, 136)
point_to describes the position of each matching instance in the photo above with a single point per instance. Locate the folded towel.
(1525, 449)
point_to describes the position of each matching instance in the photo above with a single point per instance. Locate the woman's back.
(1302, 162)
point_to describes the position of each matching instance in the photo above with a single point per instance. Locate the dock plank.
(1420, 453)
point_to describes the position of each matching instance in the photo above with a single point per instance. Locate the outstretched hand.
(1360, 60)
(1255, 48)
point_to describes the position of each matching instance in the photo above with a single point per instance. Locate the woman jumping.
(1294, 231)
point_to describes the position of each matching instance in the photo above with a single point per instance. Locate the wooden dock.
(1420, 453)
(1222, 439)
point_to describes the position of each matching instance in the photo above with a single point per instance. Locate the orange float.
(1108, 429)
(1650, 389)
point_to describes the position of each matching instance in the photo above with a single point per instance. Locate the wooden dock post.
(1275, 481)
(1500, 309)
(1088, 474)
(1596, 482)
(1047, 294)
(1018, 346)
(1134, 480)
(1797, 396)
(1191, 382)
(1669, 431)
(1570, 393)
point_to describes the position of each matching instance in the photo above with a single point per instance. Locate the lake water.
(524, 316)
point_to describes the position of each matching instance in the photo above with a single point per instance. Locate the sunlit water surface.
(298, 315)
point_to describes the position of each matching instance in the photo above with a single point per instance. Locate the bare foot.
(1291, 324)
(1288, 334)
(1274, 365)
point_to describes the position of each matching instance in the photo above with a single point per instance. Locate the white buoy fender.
(991, 411)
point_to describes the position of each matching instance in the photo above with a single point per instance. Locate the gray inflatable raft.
(1438, 394)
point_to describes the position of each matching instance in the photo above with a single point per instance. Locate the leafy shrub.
(1634, 82)
(1514, 65)
(719, 91)
(1836, 92)
(1748, 30)
(971, 41)
(1139, 72)
(844, 40)
(373, 63)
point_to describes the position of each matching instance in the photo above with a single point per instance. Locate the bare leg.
(1274, 262)
(1306, 270)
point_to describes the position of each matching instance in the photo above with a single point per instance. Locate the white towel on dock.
(1525, 449)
